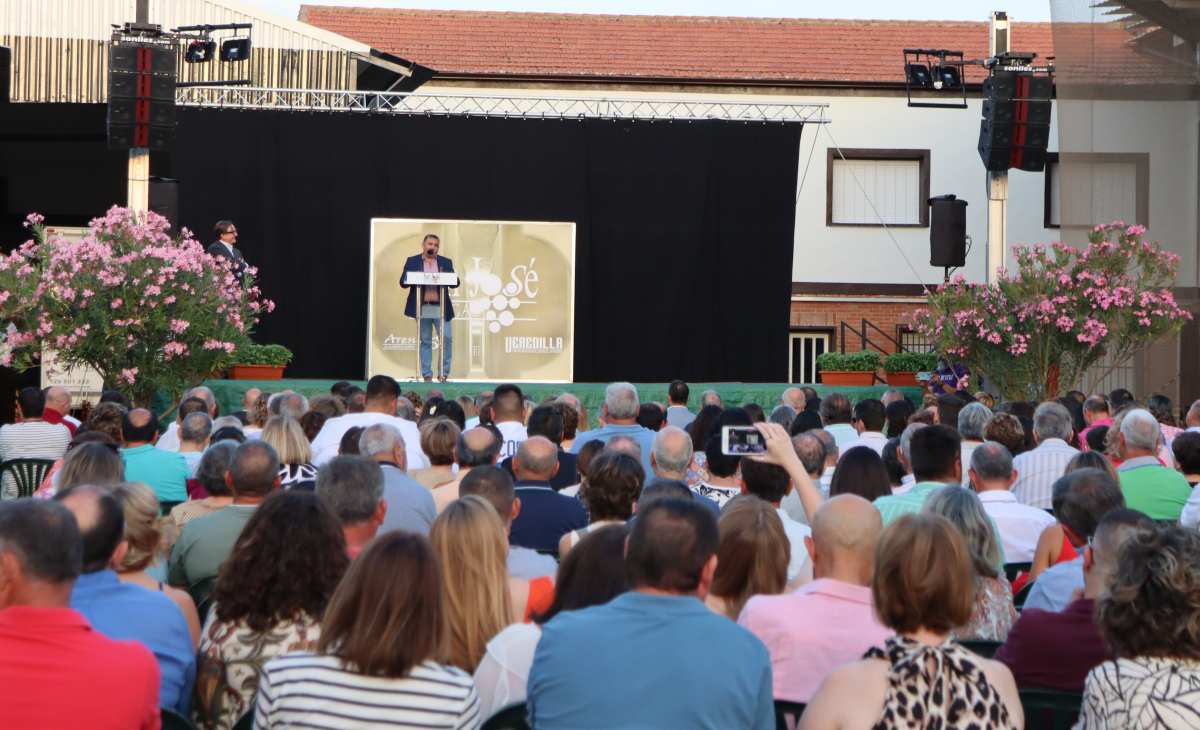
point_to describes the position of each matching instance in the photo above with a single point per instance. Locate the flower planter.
(899, 380)
(256, 372)
(847, 377)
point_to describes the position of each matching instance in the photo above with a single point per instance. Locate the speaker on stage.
(164, 199)
(947, 231)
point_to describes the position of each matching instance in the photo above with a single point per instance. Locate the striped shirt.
(316, 691)
(30, 440)
(1037, 471)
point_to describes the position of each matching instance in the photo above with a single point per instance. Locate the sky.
(1018, 10)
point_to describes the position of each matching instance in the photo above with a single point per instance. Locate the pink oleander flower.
(129, 375)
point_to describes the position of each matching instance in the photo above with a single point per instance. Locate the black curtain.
(684, 230)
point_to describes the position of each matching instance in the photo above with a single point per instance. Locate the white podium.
(441, 281)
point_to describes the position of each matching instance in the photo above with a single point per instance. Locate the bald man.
(831, 620)
(794, 398)
(475, 447)
(545, 515)
(165, 471)
(671, 455)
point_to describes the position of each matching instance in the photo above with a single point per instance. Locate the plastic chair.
(1012, 570)
(985, 649)
(1050, 709)
(510, 718)
(1022, 596)
(27, 473)
(787, 714)
(172, 720)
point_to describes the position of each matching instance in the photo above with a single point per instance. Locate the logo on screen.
(496, 302)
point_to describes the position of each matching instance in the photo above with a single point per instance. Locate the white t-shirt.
(169, 441)
(502, 677)
(799, 565)
(514, 434)
(325, 445)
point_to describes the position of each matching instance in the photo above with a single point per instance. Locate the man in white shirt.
(382, 394)
(836, 414)
(972, 420)
(508, 410)
(991, 475)
(771, 483)
(30, 438)
(169, 441)
(868, 422)
(1037, 470)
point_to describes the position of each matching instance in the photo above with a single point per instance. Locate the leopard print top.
(937, 687)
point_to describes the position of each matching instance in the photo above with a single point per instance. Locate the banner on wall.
(514, 307)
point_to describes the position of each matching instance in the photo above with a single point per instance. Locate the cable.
(806, 164)
(888, 231)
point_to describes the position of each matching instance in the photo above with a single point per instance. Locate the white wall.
(866, 254)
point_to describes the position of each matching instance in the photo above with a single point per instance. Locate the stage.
(229, 392)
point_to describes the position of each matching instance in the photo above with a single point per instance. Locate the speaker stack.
(141, 95)
(1015, 130)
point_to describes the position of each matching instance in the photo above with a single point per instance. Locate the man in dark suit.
(428, 261)
(225, 246)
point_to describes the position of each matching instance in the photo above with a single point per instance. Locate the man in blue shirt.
(605, 666)
(619, 414)
(125, 611)
(166, 472)
(545, 514)
(1080, 500)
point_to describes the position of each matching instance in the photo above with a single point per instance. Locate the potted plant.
(848, 368)
(901, 368)
(260, 362)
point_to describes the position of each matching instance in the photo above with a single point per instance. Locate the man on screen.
(429, 262)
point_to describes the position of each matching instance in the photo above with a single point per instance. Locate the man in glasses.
(226, 246)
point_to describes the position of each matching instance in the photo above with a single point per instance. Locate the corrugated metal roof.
(60, 51)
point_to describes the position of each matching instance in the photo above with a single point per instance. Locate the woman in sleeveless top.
(613, 483)
(923, 587)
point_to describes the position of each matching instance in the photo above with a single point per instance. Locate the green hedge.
(252, 354)
(910, 362)
(865, 361)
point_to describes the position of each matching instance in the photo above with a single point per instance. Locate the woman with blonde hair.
(143, 535)
(993, 614)
(438, 436)
(477, 594)
(284, 434)
(752, 556)
(377, 661)
(258, 414)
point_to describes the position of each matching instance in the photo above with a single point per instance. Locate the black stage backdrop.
(683, 242)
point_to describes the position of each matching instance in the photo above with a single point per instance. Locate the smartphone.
(742, 440)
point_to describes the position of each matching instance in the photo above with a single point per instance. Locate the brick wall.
(887, 316)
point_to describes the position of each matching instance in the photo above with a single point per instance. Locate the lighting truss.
(501, 105)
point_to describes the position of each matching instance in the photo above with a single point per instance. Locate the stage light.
(200, 51)
(919, 76)
(947, 77)
(235, 49)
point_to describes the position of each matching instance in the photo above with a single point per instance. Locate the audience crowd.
(370, 557)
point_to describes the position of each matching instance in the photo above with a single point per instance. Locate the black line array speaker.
(164, 199)
(141, 95)
(947, 231)
(1015, 129)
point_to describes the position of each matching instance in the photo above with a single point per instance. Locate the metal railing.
(502, 105)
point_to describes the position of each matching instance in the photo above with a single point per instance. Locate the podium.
(424, 280)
